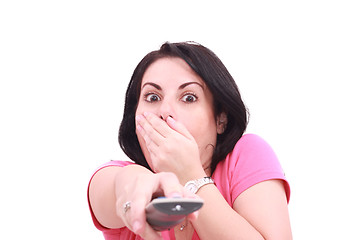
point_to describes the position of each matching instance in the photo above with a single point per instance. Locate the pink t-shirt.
(252, 161)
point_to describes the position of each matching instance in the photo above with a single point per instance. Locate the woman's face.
(170, 87)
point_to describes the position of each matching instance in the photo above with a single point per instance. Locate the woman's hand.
(171, 147)
(139, 191)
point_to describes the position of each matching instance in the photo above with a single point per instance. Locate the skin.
(171, 88)
(177, 129)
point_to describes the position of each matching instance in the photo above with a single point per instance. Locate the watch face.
(192, 187)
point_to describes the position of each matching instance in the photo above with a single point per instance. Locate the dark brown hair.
(217, 78)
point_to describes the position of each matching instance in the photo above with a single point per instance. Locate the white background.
(64, 67)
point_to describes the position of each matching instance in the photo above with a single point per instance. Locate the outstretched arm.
(112, 186)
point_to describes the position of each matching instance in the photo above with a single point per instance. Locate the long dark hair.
(225, 92)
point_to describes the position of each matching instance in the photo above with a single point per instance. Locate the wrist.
(195, 185)
(192, 176)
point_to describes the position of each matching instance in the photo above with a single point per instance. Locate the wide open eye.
(189, 98)
(152, 97)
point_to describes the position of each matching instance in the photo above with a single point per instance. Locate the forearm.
(217, 220)
(104, 188)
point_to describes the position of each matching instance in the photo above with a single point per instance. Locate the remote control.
(164, 213)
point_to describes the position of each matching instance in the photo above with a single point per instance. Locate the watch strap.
(199, 183)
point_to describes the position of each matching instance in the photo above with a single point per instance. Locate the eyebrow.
(152, 84)
(182, 86)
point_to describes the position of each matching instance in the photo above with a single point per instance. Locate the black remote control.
(164, 213)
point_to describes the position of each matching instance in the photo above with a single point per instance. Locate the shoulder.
(252, 161)
(252, 149)
(115, 163)
(251, 142)
(249, 149)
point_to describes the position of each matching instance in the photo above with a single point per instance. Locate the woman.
(184, 121)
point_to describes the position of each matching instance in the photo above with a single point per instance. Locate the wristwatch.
(194, 185)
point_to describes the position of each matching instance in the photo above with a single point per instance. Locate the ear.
(221, 122)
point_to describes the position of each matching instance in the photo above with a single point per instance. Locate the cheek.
(142, 107)
(202, 129)
(139, 110)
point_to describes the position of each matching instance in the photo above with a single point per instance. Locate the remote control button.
(177, 208)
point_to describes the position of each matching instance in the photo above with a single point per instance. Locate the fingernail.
(139, 128)
(175, 195)
(146, 114)
(138, 117)
(170, 119)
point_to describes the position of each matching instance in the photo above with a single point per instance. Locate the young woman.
(184, 121)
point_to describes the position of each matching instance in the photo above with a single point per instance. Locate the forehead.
(170, 70)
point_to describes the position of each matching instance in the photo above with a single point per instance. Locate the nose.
(164, 118)
(166, 109)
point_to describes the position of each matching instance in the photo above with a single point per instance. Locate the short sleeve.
(253, 161)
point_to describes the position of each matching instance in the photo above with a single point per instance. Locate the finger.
(158, 124)
(170, 185)
(148, 140)
(149, 233)
(129, 214)
(178, 127)
(147, 131)
(144, 230)
(193, 216)
(136, 215)
(132, 208)
(151, 146)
